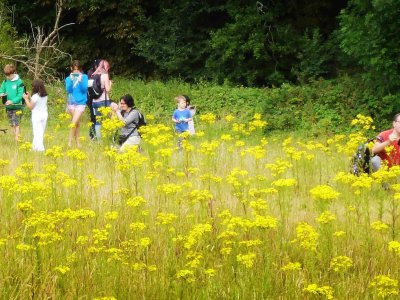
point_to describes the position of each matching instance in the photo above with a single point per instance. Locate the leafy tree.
(8, 34)
(176, 36)
(369, 32)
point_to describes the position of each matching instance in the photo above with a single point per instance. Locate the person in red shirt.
(386, 139)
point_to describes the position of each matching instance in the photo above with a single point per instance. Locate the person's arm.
(175, 117)
(133, 117)
(29, 101)
(69, 85)
(188, 116)
(107, 82)
(3, 87)
(83, 84)
(380, 144)
(18, 97)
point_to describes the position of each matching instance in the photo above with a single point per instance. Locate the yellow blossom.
(324, 192)
(296, 266)
(384, 286)
(340, 264)
(325, 290)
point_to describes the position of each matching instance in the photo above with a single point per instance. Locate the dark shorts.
(14, 117)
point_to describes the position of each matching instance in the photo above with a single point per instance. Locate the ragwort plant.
(234, 215)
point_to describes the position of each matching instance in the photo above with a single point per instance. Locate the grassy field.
(235, 215)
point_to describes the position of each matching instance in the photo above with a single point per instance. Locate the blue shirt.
(77, 95)
(180, 115)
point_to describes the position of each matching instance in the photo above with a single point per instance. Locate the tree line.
(250, 43)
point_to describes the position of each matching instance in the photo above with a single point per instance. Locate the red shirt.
(394, 157)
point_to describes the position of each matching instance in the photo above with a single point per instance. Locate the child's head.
(9, 70)
(76, 66)
(38, 88)
(187, 100)
(180, 102)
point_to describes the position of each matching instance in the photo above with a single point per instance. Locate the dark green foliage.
(252, 43)
(318, 108)
(370, 33)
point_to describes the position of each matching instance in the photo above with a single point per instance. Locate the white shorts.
(130, 142)
(77, 107)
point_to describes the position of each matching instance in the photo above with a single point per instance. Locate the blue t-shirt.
(180, 115)
(77, 91)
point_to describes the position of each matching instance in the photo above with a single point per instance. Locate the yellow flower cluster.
(195, 234)
(324, 192)
(341, 264)
(208, 118)
(246, 259)
(209, 148)
(384, 286)
(285, 182)
(394, 246)
(291, 266)
(257, 152)
(76, 154)
(325, 291)
(165, 218)
(169, 188)
(379, 226)
(364, 122)
(200, 196)
(157, 135)
(279, 167)
(326, 217)
(306, 236)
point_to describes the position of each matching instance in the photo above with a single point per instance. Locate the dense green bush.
(318, 108)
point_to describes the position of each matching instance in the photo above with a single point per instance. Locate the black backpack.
(361, 161)
(94, 86)
(142, 120)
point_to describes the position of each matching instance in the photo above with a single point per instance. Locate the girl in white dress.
(38, 104)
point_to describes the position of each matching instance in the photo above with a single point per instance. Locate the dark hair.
(395, 117)
(187, 99)
(38, 88)
(128, 100)
(94, 66)
(77, 64)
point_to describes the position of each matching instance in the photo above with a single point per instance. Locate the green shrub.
(318, 108)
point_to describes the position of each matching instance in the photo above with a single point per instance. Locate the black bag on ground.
(361, 161)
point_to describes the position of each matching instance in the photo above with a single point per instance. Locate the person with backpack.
(11, 90)
(91, 95)
(387, 138)
(76, 85)
(100, 78)
(132, 118)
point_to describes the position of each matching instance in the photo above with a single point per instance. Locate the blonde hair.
(9, 69)
(179, 98)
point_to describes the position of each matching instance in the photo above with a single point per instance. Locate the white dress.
(39, 120)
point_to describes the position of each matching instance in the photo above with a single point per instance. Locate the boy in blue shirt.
(181, 117)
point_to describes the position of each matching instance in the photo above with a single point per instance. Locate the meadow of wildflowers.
(234, 215)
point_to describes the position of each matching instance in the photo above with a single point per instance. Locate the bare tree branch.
(40, 50)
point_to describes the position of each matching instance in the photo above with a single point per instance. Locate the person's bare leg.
(76, 120)
(72, 130)
(16, 131)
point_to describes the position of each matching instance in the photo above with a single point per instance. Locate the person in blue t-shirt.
(76, 85)
(181, 117)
